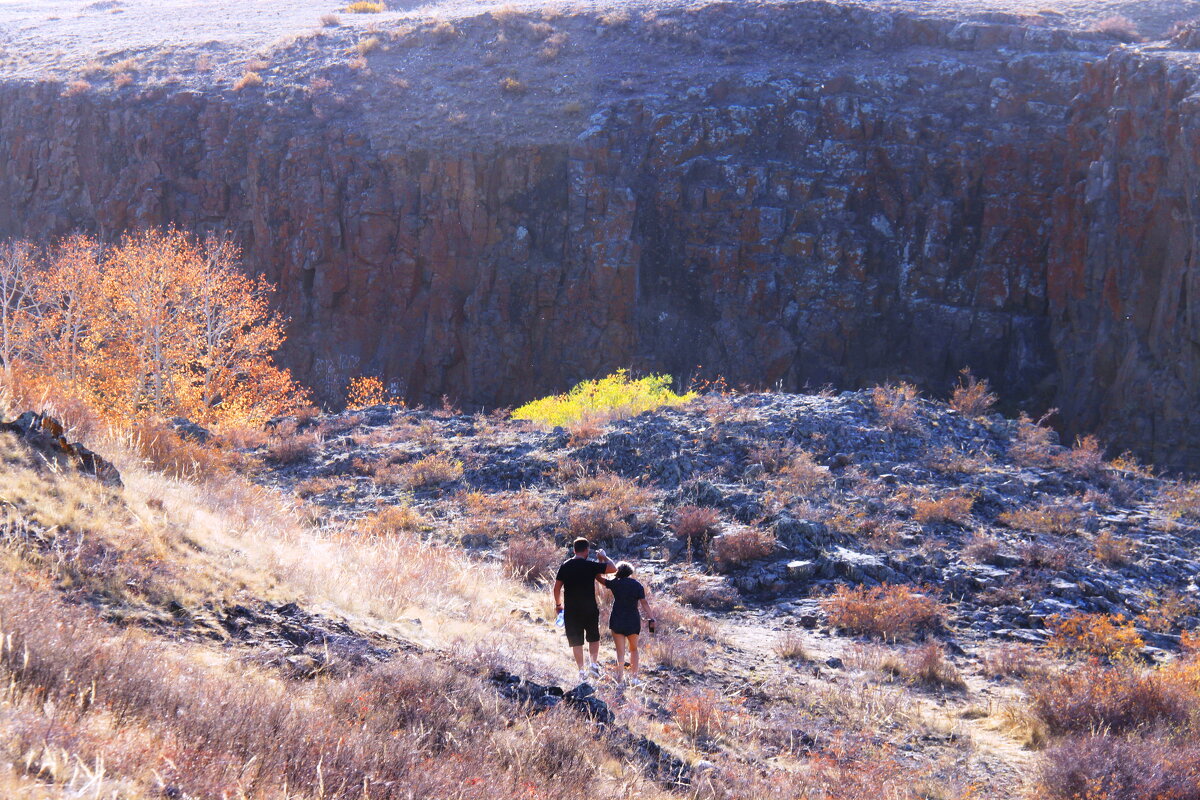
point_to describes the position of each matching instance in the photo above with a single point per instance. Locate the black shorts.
(581, 623)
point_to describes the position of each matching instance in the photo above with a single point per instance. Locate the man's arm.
(609, 566)
(558, 606)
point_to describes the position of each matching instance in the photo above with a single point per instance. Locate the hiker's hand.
(601, 555)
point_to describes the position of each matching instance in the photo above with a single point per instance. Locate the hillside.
(357, 605)
(492, 203)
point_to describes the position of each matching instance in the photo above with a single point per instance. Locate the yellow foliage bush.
(615, 397)
(1094, 635)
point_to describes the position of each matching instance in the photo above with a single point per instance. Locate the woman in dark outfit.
(625, 621)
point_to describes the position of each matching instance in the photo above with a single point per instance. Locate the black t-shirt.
(579, 584)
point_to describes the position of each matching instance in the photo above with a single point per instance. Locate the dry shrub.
(1012, 660)
(972, 397)
(705, 592)
(330, 20)
(75, 88)
(531, 558)
(318, 485)
(928, 666)
(897, 405)
(802, 474)
(122, 79)
(1094, 635)
(891, 611)
(365, 7)
(1048, 516)
(249, 80)
(677, 651)
(443, 31)
(164, 450)
(596, 524)
(953, 508)
(1097, 767)
(1167, 612)
(291, 447)
(367, 46)
(431, 470)
(696, 523)
(1036, 555)
(982, 548)
(790, 646)
(1181, 500)
(1085, 459)
(1033, 445)
(1113, 550)
(701, 714)
(512, 86)
(391, 520)
(622, 496)
(734, 548)
(1118, 27)
(1117, 699)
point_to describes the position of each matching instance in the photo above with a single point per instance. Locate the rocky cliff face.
(890, 197)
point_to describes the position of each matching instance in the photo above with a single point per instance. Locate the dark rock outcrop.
(47, 436)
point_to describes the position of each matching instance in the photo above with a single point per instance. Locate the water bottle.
(558, 621)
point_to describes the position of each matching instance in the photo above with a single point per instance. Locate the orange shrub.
(531, 558)
(1117, 699)
(368, 390)
(890, 611)
(1094, 635)
(928, 666)
(1086, 458)
(737, 547)
(972, 397)
(1113, 550)
(897, 405)
(1048, 516)
(699, 713)
(696, 523)
(431, 470)
(953, 508)
(1034, 443)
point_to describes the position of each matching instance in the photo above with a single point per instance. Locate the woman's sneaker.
(583, 676)
(595, 669)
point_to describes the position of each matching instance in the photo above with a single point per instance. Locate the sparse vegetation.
(1094, 635)
(893, 612)
(736, 547)
(896, 405)
(953, 508)
(365, 7)
(249, 80)
(972, 397)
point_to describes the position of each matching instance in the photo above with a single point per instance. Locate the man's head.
(581, 547)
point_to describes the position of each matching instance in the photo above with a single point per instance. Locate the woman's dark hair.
(624, 569)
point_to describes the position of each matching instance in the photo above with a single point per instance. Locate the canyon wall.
(906, 198)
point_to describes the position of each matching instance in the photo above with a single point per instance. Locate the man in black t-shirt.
(581, 615)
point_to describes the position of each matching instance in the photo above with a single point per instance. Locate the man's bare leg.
(594, 649)
(578, 651)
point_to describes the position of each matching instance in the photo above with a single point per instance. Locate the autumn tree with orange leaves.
(162, 324)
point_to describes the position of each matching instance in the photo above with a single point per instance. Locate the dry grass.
(928, 666)
(1085, 459)
(289, 446)
(892, 612)
(330, 20)
(1118, 27)
(982, 548)
(75, 88)
(364, 7)
(510, 85)
(432, 470)
(393, 520)
(249, 80)
(1033, 444)
(1113, 550)
(1013, 661)
(1053, 516)
(367, 46)
(790, 646)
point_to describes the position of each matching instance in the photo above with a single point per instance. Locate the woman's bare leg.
(633, 654)
(619, 640)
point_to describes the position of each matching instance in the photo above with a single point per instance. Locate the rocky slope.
(989, 512)
(790, 194)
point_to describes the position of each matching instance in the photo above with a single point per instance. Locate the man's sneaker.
(583, 676)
